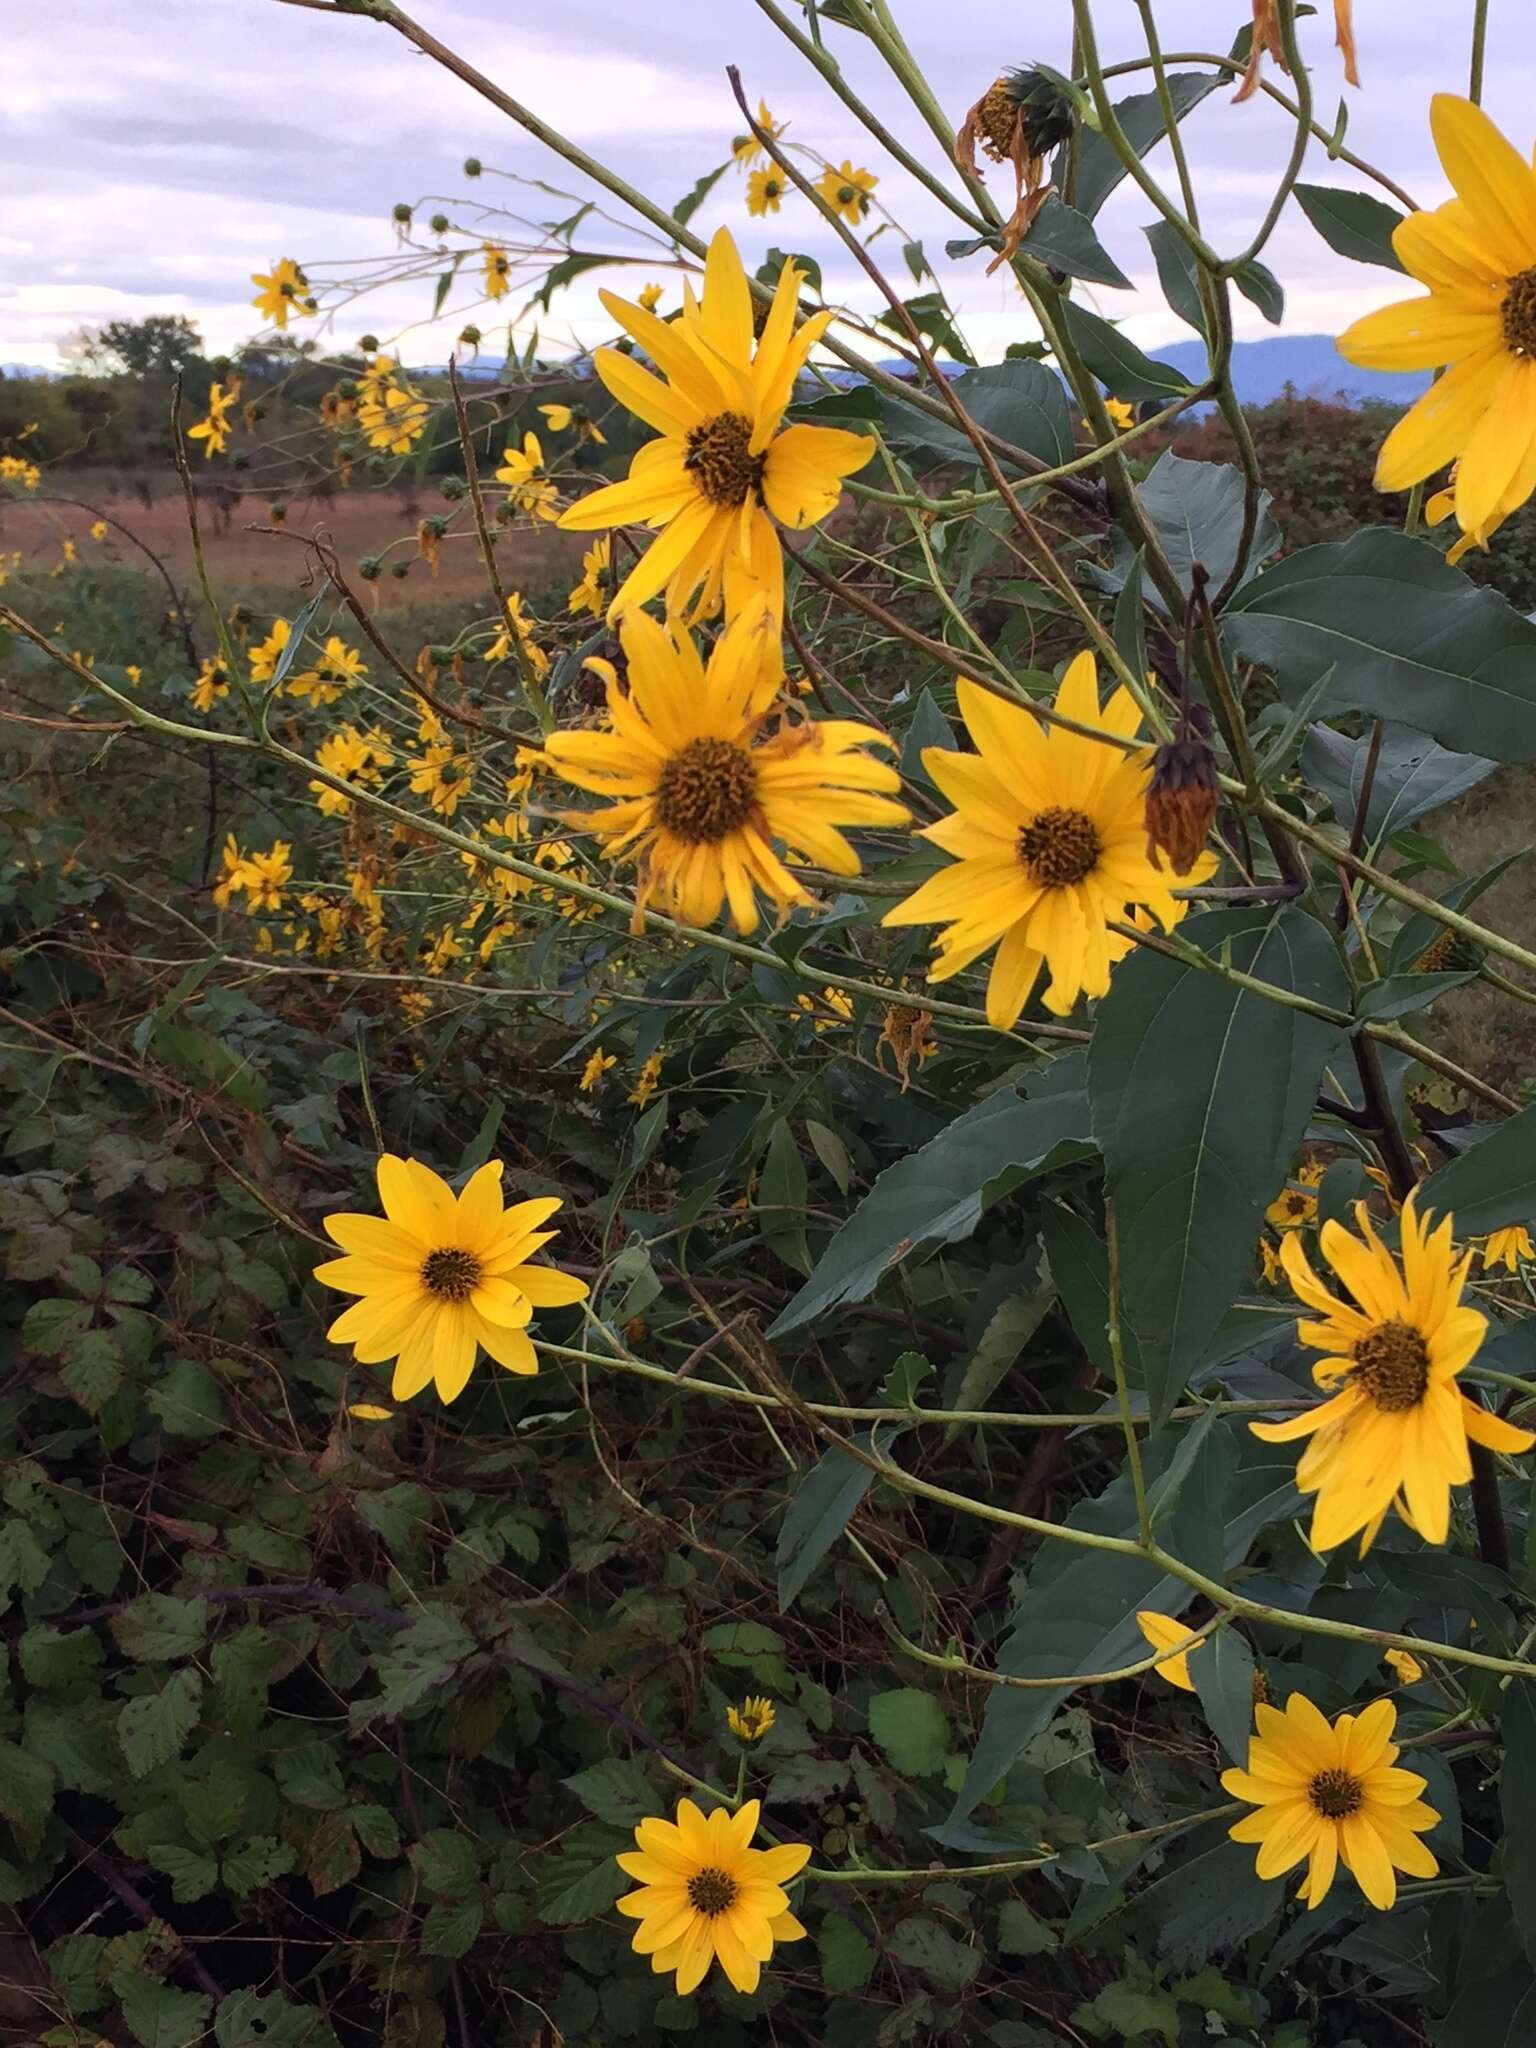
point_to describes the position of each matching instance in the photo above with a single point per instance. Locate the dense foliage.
(926, 1324)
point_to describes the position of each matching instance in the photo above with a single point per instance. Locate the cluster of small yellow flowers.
(212, 684)
(828, 1011)
(561, 419)
(440, 954)
(354, 757)
(338, 667)
(267, 653)
(592, 1074)
(415, 1004)
(589, 594)
(528, 489)
(15, 469)
(260, 876)
(517, 631)
(647, 1081)
(496, 267)
(282, 291)
(847, 191)
(389, 412)
(213, 429)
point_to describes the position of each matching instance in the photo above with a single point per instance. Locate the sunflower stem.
(931, 1873)
(1479, 52)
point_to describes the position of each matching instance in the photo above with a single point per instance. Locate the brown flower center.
(720, 459)
(450, 1274)
(1059, 847)
(711, 1891)
(1392, 1364)
(707, 791)
(996, 118)
(1336, 1794)
(1518, 314)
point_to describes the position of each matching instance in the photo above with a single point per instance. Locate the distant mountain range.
(1310, 362)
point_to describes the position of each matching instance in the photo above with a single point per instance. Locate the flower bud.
(402, 213)
(1182, 799)
(472, 167)
(439, 223)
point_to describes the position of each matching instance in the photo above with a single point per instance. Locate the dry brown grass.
(1492, 1033)
(243, 562)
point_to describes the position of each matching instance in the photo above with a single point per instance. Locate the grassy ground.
(247, 560)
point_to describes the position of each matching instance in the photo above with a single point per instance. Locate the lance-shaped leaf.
(1413, 775)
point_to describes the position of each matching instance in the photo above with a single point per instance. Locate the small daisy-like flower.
(337, 669)
(746, 149)
(496, 268)
(1328, 1793)
(847, 191)
(284, 290)
(751, 1721)
(442, 1277)
(1291, 1209)
(212, 684)
(646, 1082)
(592, 1074)
(707, 1896)
(266, 654)
(98, 529)
(443, 777)
(1405, 1664)
(588, 596)
(1397, 1426)
(765, 191)
(528, 489)
(1510, 1248)
(706, 780)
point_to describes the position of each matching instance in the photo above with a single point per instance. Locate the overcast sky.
(153, 156)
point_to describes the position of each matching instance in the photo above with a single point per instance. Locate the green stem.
(1479, 51)
(941, 1873)
(1286, 15)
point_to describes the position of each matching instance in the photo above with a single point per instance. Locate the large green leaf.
(1201, 1093)
(1064, 238)
(939, 1193)
(1078, 1611)
(1413, 775)
(1023, 403)
(817, 1515)
(1353, 223)
(1493, 1182)
(1421, 930)
(1197, 511)
(1118, 363)
(1099, 165)
(1406, 636)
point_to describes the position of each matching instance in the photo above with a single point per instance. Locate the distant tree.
(157, 347)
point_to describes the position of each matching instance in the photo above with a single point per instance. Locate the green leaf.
(51, 1326)
(1517, 1801)
(1413, 775)
(1201, 1094)
(1130, 2012)
(258, 1862)
(938, 1193)
(1196, 509)
(830, 1150)
(451, 1930)
(1100, 166)
(420, 1661)
(847, 1960)
(187, 1400)
(158, 1626)
(74, 1964)
(1021, 1933)
(1421, 929)
(94, 1370)
(819, 1509)
(565, 272)
(153, 1728)
(1178, 274)
(158, 2015)
(1064, 238)
(695, 197)
(1222, 1670)
(26, 1788)
(332, 1857)
(913, 1730)
(1210, 1897)
(583, 1880)
(782, 1189)
(616, 1790)
(904, 1382)
(377, 1830)
(193, 1873)
(446, 1862)
(1353, 224)
(1262, 289)
(1492, 1183)
(1009, 1328)
(1118, 363)
(251, 2019)
(1400, 994)
(1025, 404)
(924, 1945)
(1406, 636)
(54, 1659)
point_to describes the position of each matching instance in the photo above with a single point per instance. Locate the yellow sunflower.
(707, 778)
(722, 472)
(1164, 1633)
(1051, 843)
(706, 1895)
(1477, 255)
(1328, 1792)
(1396, 1430)
(442, 1277)
(1291, 1208)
